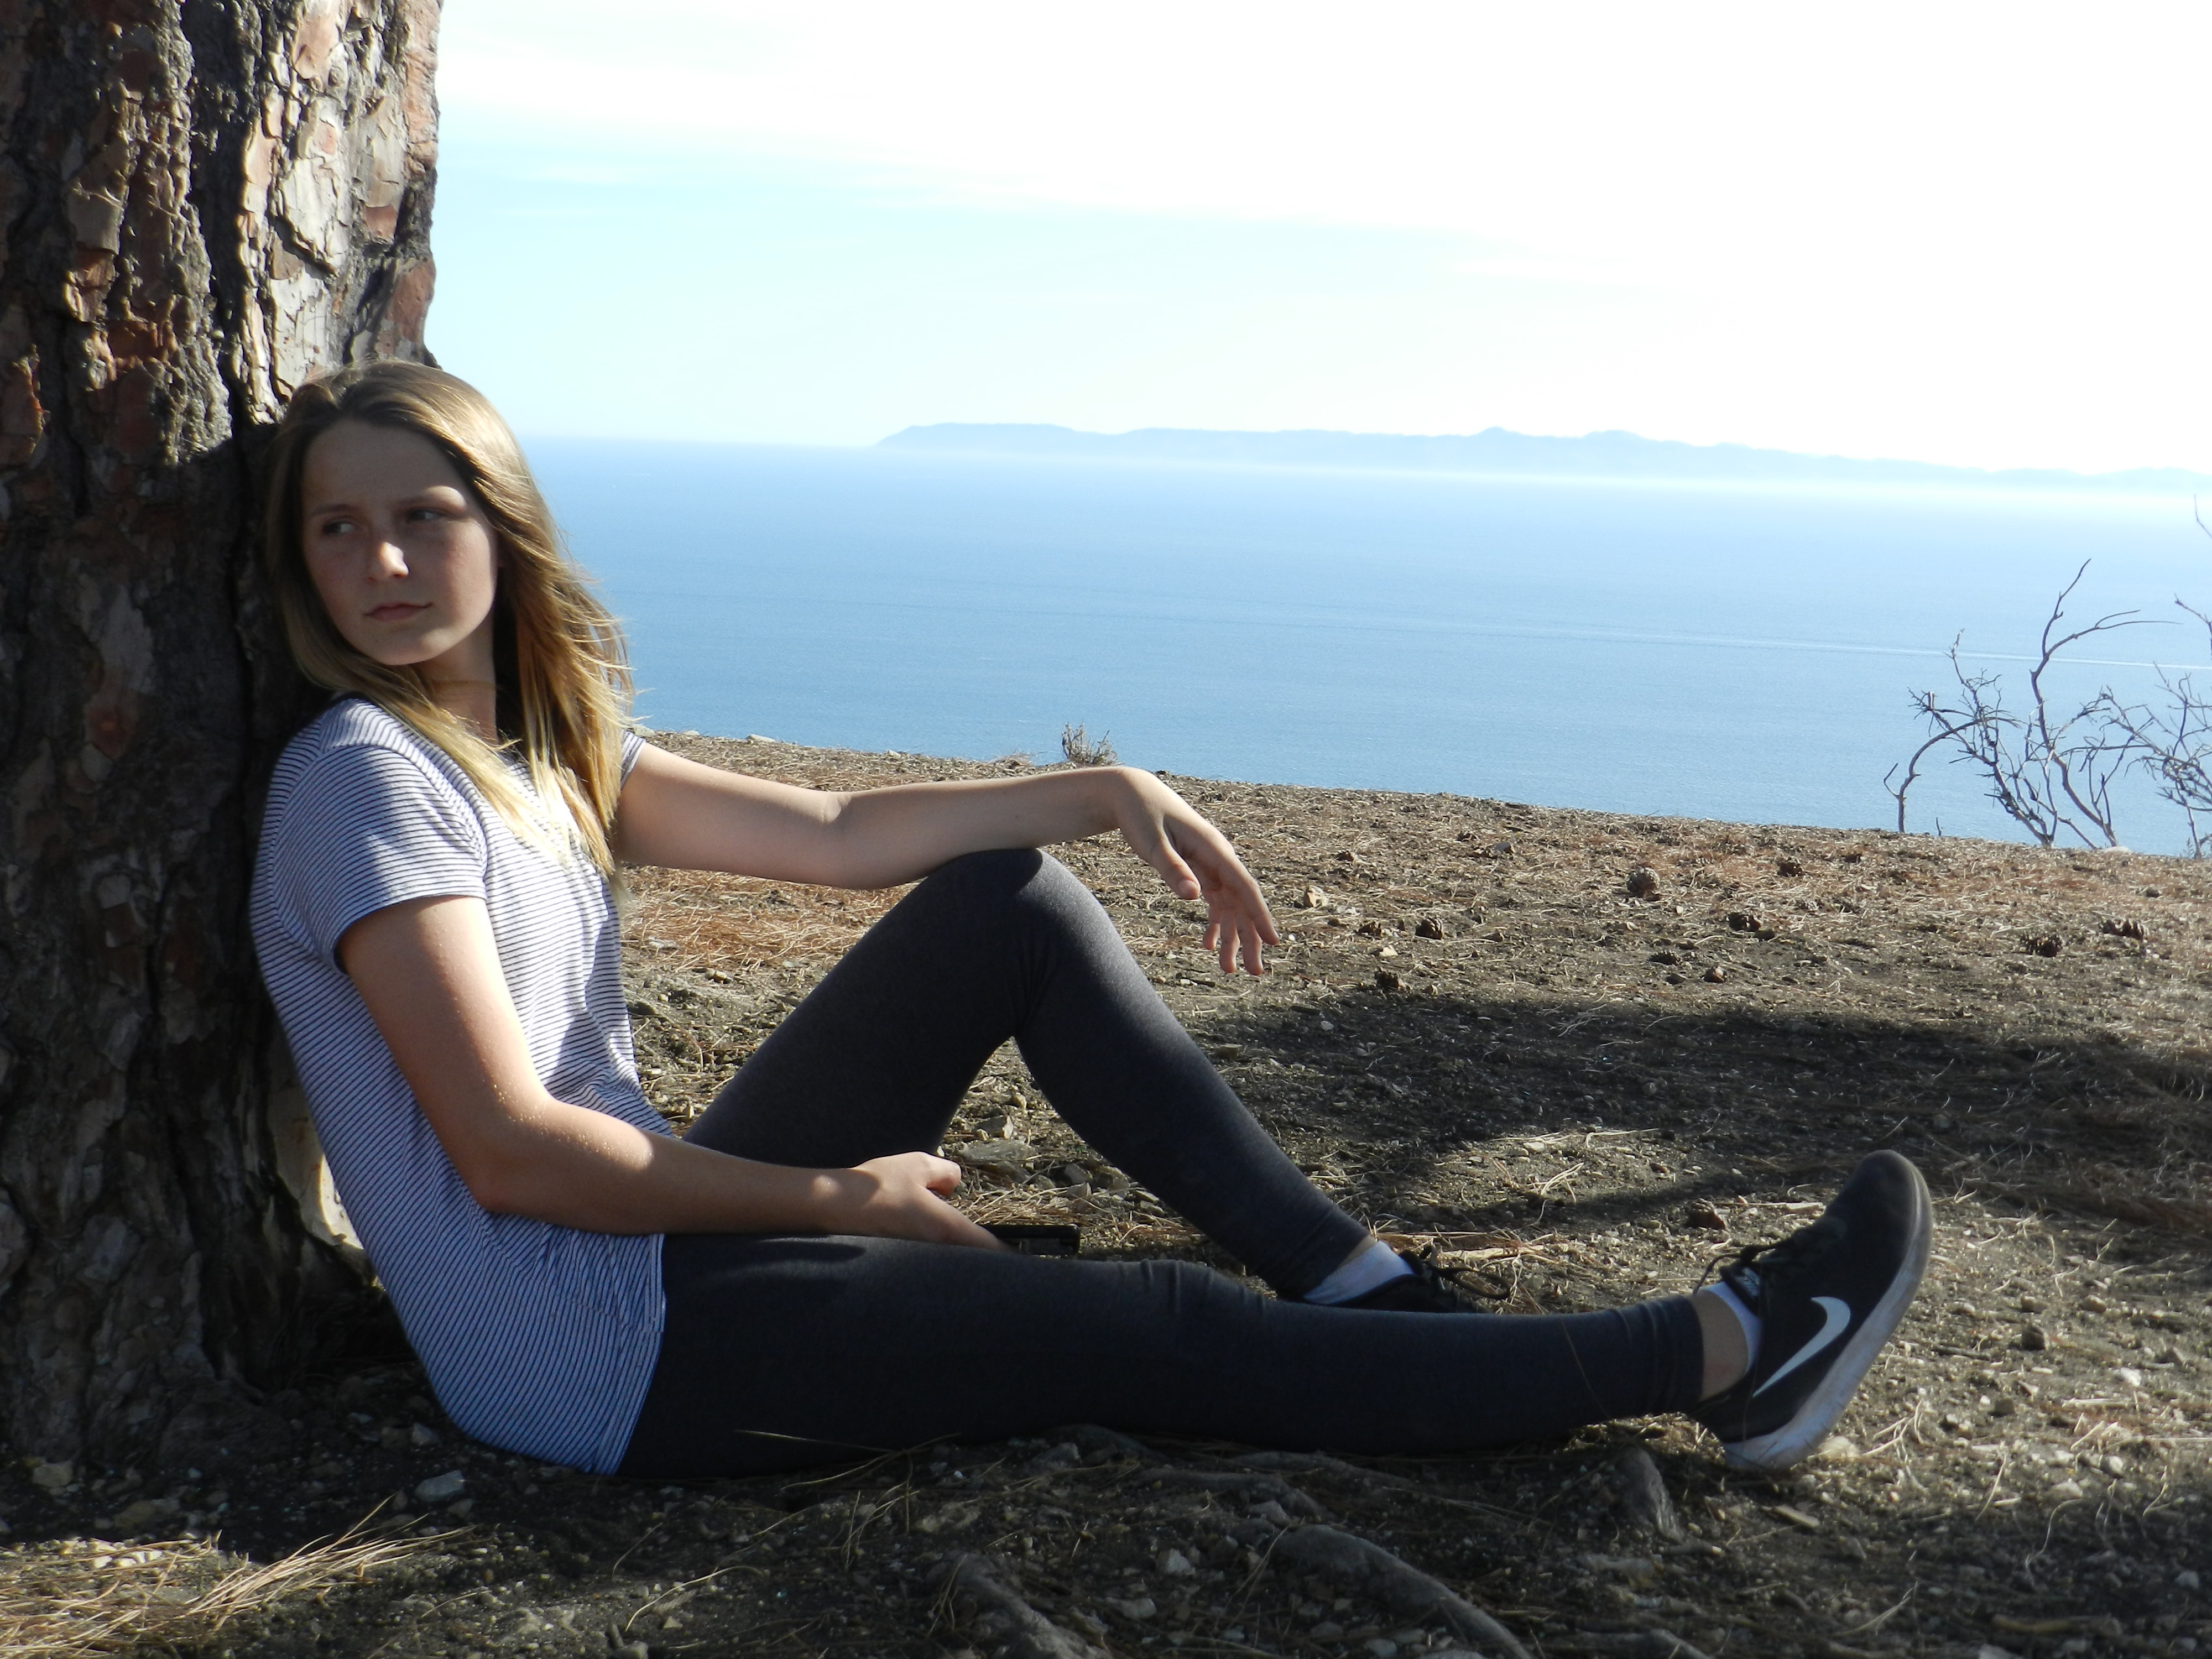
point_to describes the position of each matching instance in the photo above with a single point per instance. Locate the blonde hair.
(563, 675)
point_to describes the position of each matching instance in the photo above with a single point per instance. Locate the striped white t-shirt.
(537, 1338)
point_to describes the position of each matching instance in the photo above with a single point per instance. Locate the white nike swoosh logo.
(1838, 1314)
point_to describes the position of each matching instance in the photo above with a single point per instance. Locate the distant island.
(1501, 453)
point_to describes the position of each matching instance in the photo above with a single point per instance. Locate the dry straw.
(89, 1597)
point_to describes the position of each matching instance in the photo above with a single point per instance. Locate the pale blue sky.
(1955, 233)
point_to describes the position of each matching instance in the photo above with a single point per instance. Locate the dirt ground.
(1487, 1033)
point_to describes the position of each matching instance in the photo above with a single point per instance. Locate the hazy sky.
(1975, 233)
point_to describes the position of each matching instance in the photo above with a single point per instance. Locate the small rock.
(1269, 1509)
(1177, 1564)
(950, 1518)
(51, 1477)
(1798, 1517)
(1837, 1448)
(1705, 1215)
(2187, 1579)
(1003, 1160)
(2115, 1465)
(1141, 1608)
(1387, 951)
(1643, 883)
(1716, 974)
(1410, 1638)
(1991, 1650)
(1389, 980)
(2129, 1375)
(462, 1510)
(2029, 1304)
(1380, 1646)
(1428, 927)
(1643, 1495)
(443, 1488)
(1788, 868)
(2042, 944)
(422, 1435)
(1328, 1631)
(2033, 1339)
(2069, 1488)
(147, 1510)
(633, 1650)
(1316, 898)
(1347, 856)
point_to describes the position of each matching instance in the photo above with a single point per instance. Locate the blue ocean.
(1718, 651)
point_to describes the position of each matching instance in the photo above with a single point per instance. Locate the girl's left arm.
(677, 813)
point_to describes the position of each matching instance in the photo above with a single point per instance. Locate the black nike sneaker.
(1426, 1288)
(1828, 1298)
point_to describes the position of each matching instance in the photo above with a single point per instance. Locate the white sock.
(1754, 1326)
(1373, 1265)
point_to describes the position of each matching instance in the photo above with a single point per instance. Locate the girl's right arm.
(429, 971)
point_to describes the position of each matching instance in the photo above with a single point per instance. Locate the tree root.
(1361, 1565)
(1005, 1617)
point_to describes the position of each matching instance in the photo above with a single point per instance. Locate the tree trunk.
(202, 202)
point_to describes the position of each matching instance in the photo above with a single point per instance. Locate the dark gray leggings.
(785, 1350)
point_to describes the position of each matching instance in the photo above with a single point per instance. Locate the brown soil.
(1481, 1039)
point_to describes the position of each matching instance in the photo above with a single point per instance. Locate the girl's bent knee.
(1008, 876)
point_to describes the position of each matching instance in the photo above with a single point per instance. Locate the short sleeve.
(632, 746)
(368, 827)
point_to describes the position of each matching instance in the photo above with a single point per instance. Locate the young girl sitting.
(786, 1282)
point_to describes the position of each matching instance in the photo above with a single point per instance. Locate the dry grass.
(696, 921)
(83, 1596)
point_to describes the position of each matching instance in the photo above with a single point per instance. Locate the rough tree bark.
(202, 202)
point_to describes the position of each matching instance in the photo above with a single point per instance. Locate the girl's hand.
(902, 1196)
(1196, 862)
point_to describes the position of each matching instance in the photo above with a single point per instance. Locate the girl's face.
(406, 561)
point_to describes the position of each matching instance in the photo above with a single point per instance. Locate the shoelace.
(1781, 1253)
(1454, 1281)
(1427, 1269)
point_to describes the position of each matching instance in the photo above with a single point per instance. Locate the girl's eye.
(338, 527)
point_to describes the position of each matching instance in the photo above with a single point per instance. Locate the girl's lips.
(395, 611)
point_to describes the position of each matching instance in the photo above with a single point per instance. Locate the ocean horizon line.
(1610, 456)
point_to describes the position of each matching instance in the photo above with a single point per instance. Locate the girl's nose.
(386, 558)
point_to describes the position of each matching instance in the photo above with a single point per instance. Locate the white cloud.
(2005, 195)
(1792, 139)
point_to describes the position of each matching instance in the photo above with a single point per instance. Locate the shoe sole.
(1801, 1436)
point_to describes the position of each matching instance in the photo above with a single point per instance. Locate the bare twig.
(2051, 776)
